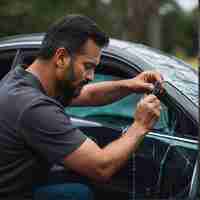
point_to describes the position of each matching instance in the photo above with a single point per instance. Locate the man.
(35, 131)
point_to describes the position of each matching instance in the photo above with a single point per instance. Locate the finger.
(148, 86)
(154, 76)
(156, 106)
(157, 113)
(156, 102)
(150, 98)
(162, 87)
(159, 77)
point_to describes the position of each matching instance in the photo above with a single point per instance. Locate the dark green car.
(166, 163)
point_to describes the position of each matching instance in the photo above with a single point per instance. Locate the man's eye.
(89, 66)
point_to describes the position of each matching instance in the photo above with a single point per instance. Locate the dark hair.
(71, 32)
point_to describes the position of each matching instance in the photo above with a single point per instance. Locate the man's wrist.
(139, 129)
(128, 85)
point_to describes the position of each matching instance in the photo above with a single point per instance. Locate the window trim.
(23, 52)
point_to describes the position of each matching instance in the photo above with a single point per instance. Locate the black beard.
(77, 90)
(67, 91)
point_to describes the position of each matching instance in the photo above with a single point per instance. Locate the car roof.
(37, 37)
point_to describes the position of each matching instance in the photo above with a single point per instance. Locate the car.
(165, 165)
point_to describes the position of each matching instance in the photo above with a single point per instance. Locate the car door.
(179, 166)
(164, 162)
(162, 156)
(194, 192)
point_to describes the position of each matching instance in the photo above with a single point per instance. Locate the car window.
(27, 56)
(183, 126)
(175, 71)
(120, 113)
(6, 61)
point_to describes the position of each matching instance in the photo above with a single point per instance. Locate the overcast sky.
(188, 5)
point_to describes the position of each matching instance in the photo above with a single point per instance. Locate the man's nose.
(90, 75)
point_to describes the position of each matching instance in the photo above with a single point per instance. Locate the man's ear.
(62, 57)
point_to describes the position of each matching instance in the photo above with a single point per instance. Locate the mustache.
(84, 82)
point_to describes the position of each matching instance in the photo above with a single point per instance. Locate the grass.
(191, 60)
(194, 62)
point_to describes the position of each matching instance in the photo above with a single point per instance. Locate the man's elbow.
(102, 176)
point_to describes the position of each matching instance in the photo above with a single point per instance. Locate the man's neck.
(42, 70)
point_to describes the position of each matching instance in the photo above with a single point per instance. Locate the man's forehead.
(93, 59)
(91, 51)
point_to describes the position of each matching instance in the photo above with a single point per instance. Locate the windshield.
(175, 71)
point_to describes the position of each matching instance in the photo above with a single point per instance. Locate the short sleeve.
(47, 129)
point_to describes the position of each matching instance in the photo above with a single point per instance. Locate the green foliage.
(178, 29)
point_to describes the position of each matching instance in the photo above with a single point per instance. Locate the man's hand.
(147, 112)
(144, 82)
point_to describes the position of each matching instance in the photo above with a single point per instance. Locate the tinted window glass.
(119, 113)
(184, 127)
(28, 56)
(6, 60)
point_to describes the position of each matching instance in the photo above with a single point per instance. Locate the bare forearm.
(101, 163)
(110, 91)
(119, 151)
(102, 93)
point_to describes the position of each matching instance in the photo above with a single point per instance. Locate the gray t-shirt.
(35, 133)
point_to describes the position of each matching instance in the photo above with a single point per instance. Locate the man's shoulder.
(19, 95)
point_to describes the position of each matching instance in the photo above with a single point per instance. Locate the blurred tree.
(12, 15)
(158, 23)
(138, 17)
(180, 31)
(145, 20)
